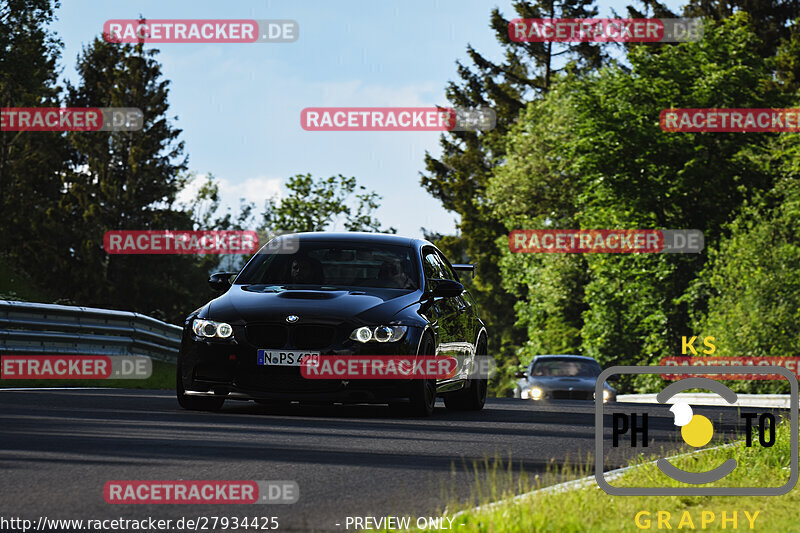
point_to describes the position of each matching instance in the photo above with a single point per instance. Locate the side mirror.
(446, 288)
(465, 268)
(520, 375)
(221, 281)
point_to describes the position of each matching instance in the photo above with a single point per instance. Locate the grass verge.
(163, 377)
(591, 509)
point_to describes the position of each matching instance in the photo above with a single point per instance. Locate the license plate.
(285, 358)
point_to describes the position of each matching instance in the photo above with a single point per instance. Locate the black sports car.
(332, 294)
(561, 377)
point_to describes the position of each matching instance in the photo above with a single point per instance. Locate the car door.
(463, 324)
(468, 312)
(443, 312)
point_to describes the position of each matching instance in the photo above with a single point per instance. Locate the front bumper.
(565, 394)
(229, 369)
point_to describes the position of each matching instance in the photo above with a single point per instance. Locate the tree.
(459, 178)
(203, 210)
(126, 181)
(600, 138)
(770, 19)
(31, 163)
(751, 280)
(536, 189)
(316, 205)
(635, 175)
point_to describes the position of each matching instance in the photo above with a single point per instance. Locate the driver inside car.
(392, 273)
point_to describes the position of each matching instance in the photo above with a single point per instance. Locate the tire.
(192, 403)
(422, 398)
(473, 396)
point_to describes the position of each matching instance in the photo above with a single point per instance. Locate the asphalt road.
(58, 449)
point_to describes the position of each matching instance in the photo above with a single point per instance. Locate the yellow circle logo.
(698, 431)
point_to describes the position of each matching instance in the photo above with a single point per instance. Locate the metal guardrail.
(707, 398)
(41, 329)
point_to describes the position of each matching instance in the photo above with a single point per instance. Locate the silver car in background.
(561, 377)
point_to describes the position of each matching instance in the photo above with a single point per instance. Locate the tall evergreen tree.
(769, 19)
(460, 176)
(31, 163)
(129, 181)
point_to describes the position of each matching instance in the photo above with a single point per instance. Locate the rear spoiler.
(465, 268)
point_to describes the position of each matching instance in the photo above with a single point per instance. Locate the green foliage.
(576, 146)
(315, 205)
(126, 181)
(591, 155)
(509, 507)
(460, 177)
(770, 18)
(17, 285)
(31, 164)
(533, 190)
(752, 279)
(60, 192)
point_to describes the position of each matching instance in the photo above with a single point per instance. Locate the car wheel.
(422, 398)
(194, 403)
(473, 396)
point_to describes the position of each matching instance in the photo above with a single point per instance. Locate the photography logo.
(695, 430)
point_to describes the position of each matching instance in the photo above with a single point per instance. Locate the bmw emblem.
(291, 319)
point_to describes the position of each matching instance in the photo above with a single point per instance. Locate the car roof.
(576, 357)
(358, 236)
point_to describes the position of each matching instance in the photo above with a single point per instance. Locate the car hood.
(249, 303)
(561, 383)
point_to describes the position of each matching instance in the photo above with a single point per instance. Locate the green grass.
(163, 377)
(16, 285)
(589, 509)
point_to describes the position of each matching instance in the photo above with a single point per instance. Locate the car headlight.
(208, 329)
(606, 395)
(379, 333)
(532, 393)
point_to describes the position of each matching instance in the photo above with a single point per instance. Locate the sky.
(238, 105)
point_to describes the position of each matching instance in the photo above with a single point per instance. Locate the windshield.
(336, 264)
(566, 367)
